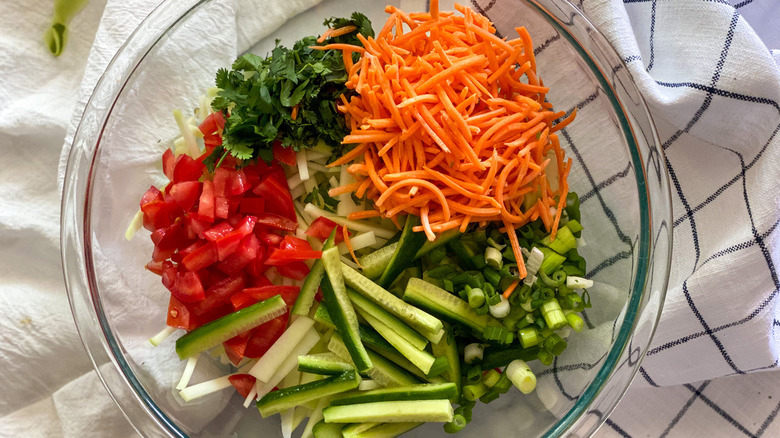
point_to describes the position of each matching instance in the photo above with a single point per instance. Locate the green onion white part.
(473, 353)
(521, 376)
(501, 309)
(573, 282)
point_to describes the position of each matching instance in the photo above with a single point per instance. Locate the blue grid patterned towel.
(713, 88)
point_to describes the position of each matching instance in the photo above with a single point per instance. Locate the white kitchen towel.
(713, 89)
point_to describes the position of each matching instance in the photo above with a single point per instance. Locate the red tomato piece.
(168, 161)
(157, 268)
(228, 245)
(213, 124)
(187, 287)
(159, 214)
(179, 315)
(243, 383)
(256, 267)
(221, 177)
(186, 194)
(218, 231)
(292, 242)
(246, 225)
(258, 280)
(286, 256)
(277, 197)
(271, 220)
(187, 169)
(252, 206)
(264, 336)
(283, 154)
(206, 204)
(322, 227)
(167, 240)
(294, 270)
(271, 240)
(194, 226)
(245, 253)
(252, 295)
(219, 294)
(152, 195)
(235, 347)
(202, 257)
(237, 184)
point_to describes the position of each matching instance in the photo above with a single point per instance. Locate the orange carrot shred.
(347, 242)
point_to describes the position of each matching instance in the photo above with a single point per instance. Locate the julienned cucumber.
(390, 412)
(220, 330)
(423, 322)
(355, 430)
(444, 304)
(449, 349)
(328, 364)
(363, 304)
(408, 245)
(383, 372)
(340, 309)
(286, 398)
(327, 430)
(309, 288)
(429, 391)
(374, 263)
(386, 430)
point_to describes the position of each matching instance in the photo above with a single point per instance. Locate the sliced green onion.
(573, 282)
(492, 276)
(528, 337)
(545, 357)
(493, 258)
(534, 261)
(476, 297)
(474, 374)
(575, 322)
(474, 391)
(473, 353)
(554, 344)
(552, 261)
(491, 378)
(574, 226)
(573, 206)
(521, 376)
(456, 425)
(564, 241)
(501, 309)
(553, 314)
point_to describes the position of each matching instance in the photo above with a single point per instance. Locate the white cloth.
(713, 90)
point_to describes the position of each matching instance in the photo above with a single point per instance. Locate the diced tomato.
(246, 225)
(157, 268)
(152, 195)
(179, 315)
(252, 295)
(294, 270)
(187, 169)
(168, 160)
(256, 267)
(221, 177)
(292, 242)
(245, 254)
(186, 194)
(219, 294)
(276, 172)
(258, 281)
(206, 204)
(283, 154)
(212, 128)
(218, 231)
(215, 314)
(271, 220)
(264, 336)
(221, 207)
(194, 226)
(228, 245)
(277, 197)
(252, 206)
(187, 287)
(237, 184)
(159, 214)
(322, 227)
(243, 383)
(286, 256)
(201, 258)
(271, 240)
(235, 347)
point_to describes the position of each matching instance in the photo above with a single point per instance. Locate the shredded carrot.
(347, 242)
(510, 289)
(294, 112)
(455, 116)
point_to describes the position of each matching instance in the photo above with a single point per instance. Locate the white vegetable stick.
(303, 167)
(315, 417)
(323, 169)
(135, 224)
(309, 185)
(294, 181)
(251, 396)
(267, 365)
(203, 389)
(187, 374)
(315, 211)
(573, 282)
(291, 362)
(333, 181)
(306, 216)
(186, 133)
(347, 261)
(298, 191)
(360, 241)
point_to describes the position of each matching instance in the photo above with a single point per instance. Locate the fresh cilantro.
(320, 197)
(258, 95)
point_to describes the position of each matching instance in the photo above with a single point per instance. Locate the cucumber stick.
(356, 429)
(286, 398)
(408, 245)
(363, 304)
(327, 430)
(309, 288)
(420, 358)
(423, 322)
(440, 302)
(374, 263)
(391, 412)
(387, 430)
(383, 372)
(220, 330)
(449, 349)
(265, 367)
(429, 391)
(326, 364)
(340, 309)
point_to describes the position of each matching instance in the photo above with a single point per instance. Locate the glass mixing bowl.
(167, 63)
